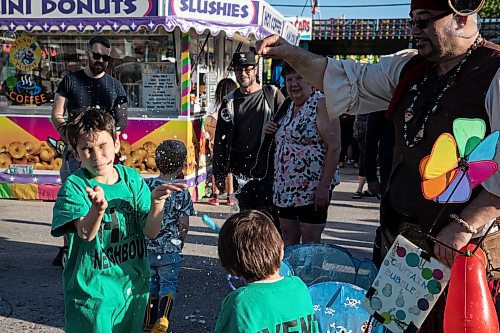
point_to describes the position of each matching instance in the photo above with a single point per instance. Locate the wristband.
(461, 222)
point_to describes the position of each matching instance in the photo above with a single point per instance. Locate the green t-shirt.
(281, 306)
(106, 281)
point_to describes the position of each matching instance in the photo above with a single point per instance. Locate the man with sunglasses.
(87, 87)
(239, 132)
(452, 73)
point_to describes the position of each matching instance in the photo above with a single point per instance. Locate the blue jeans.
(69, 164)
(165, 269)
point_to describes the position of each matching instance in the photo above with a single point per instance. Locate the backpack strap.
(269, 94)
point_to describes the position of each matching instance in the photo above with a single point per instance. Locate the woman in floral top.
(306, 156)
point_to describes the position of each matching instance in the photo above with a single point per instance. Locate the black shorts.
(305, 214)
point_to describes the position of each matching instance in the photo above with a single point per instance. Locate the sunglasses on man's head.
(98, 56)
(424, 23)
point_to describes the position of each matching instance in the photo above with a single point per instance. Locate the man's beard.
(246, 84)
(97, 69)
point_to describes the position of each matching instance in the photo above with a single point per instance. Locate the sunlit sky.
(325, 13)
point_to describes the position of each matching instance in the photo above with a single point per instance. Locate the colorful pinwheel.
(447, 177)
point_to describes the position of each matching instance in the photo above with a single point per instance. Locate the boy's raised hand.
(161, 192)
(96, 196)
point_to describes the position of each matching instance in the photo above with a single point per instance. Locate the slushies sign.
(227, 11)
(76, 8)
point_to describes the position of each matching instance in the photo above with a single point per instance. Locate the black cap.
(242, 59)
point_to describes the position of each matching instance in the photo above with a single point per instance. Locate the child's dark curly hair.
(170, 156)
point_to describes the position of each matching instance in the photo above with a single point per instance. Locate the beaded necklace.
(417, 87)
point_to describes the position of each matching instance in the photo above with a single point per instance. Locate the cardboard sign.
(406, 287)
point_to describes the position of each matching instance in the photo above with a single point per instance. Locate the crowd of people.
(283, 155)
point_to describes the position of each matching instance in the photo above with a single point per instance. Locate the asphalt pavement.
(31, 293)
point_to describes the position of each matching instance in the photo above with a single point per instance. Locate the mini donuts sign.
(25, 53)
(406, 288)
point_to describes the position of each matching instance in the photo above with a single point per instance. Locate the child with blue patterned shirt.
(165, 251)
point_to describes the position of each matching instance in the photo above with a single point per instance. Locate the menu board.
(159, 89)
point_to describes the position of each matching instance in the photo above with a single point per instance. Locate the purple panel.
(461, 193)
(31, 179)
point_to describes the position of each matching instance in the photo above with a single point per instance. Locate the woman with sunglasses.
(84, 88)
(452, 73)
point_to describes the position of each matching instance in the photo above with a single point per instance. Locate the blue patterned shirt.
(177, 205)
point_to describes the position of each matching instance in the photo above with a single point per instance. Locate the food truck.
(169, 56)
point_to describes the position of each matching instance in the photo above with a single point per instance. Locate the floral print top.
(299, 156)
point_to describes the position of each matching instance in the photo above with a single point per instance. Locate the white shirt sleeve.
(492, 104)
(355, 87)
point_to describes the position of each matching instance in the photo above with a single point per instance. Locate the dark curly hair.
(170, 157)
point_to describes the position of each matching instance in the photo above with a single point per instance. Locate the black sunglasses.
(424, 23)
(98, 56)
(247, 70)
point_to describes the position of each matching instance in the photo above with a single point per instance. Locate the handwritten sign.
(158, 87)
(272, 20)
(406, 287)
(291, 34)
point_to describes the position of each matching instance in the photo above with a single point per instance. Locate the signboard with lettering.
(290, 34)
(272, 20)
(25, 53)
(406, 288)
(25, 90)
(159, 89)
(226, 11)
(77, 8)
(304, 24)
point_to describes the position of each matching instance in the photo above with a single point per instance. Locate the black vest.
(465, 99)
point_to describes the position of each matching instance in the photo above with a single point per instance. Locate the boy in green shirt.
(105, 211)
(251, 248)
